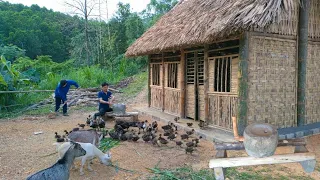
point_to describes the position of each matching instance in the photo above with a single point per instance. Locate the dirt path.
(23, 153)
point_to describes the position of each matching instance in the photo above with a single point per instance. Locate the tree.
(84, 9)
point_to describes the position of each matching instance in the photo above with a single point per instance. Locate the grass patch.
(181, 173)
(140, 82)
(107, 143)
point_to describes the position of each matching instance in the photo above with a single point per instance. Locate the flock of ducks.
(148, 132)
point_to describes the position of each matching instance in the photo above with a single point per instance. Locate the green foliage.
(107, 143)
(11, 52)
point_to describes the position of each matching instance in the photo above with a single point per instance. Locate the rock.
(260, 140)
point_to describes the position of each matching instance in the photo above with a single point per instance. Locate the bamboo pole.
(182, 83)
(243, 83)
(149, 82)
(163, 81)
(302, 60)
(206, 84)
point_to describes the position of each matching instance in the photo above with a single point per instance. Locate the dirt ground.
(23, 153)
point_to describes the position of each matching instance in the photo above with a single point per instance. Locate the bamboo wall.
(190, 101)
(201, 102)
(156, 97)
(313, 84)
(272, 81)
(222, 108)
(172, 101)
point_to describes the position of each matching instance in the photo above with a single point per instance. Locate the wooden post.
(182, 83)
(206, 84)
(302, 59)
(149, 81)
(243, 82)
(163, 81)
(196, 84)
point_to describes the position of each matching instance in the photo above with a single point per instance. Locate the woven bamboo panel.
(190, 101)
(313, 84)
(272, 81)
(161, 75)
(211, 75)
(221, 109)
(156, 97)
(172, 101)
(285, 26)
(314, 19)
(201, 101)
(234, 75)
(165, 75)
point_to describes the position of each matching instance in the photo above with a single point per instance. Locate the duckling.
(189, 150)
(75, 129)
(88, 120)
(56, 135)
(102, 124)
(190, 144)
(197, 140)
(114, 135)
(163, 141)
(135, 138)
(123, 137)
(167, 127)
(154, 126)
(172, 136)
(155, 141)
(184, 136)
(147, 138)
(67, 133)
(202, 124)
(61, 139)
(189, 124)
(93, 124)
(176, 127)
(190, 132)
(166, 133)
(179, 143)
(176, 119)
(160, 137)
(81, 125)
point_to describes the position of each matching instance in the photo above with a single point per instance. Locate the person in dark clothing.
(105, 100)
(61, 94)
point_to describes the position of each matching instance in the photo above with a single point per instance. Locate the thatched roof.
(196, 22)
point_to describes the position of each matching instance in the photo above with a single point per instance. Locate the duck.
(154, 126)
(190, 144)
(81, 125)
(61, 139)
(189, 150)
(57, 135)
(147, 138)
(135, 138)
(167, 127)
(189, 124)
(184, 136)
(88, 120)
(155, 141)
(190, 132)
(163, 141)
(179, 143)
(102, 124)
(172, 136)
(160, 137)
(66, 132)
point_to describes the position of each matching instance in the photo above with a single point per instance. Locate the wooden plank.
(182, 84)
(249, 161)
(196, 83)
(221, 154)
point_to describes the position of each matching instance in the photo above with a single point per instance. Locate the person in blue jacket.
(61, 94)
(105, 100)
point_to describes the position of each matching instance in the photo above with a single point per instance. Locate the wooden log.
(240, 146)
(249, 161)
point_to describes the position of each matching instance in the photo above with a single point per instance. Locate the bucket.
(119, 108)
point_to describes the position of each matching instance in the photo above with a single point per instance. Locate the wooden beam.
(243, 82)
(163, 81)
(302, 60)
(206, 84)
(182, 83)
(149, 82)
(249, 161)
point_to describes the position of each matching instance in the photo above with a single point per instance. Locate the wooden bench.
(133, 115)
(300, 155)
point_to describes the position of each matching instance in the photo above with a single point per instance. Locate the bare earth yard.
(23, 153)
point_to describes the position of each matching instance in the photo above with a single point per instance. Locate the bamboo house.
(257, 60)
